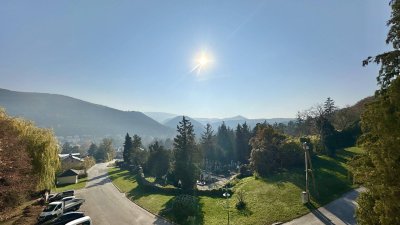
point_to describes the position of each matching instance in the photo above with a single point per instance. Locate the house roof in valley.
(71, 155)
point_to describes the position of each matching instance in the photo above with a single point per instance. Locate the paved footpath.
(107, 206)
(339, 212)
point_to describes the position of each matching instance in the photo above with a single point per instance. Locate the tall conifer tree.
(186, 167)
(127, 148)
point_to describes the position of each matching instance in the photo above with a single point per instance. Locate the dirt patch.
(23, 215)
(29, 215)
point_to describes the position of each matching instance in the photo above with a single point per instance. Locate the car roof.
(68, 197)
(80, 220)
(55, 203)
(69, 213)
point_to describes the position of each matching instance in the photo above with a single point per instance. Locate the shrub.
(184, 206)
(241, 204)
(88, 162)
(214, 192)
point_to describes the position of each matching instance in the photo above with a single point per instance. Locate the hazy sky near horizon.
(271, 58)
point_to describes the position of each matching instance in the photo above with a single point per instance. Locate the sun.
(202, 60)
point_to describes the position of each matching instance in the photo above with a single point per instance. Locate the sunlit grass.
(271, 199)
(81, 184)
(122, 179)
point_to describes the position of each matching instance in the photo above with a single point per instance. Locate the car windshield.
(56, 195)
(49, 208)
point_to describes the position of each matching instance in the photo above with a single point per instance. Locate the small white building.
(68, 177)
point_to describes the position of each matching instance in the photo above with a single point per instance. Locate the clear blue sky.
(270, 58)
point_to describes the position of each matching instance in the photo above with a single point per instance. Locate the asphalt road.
(107, 206)
(339, 212)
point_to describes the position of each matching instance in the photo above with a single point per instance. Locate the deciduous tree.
(265, 149)
(106, 151)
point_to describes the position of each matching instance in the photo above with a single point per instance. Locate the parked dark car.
(61, 195)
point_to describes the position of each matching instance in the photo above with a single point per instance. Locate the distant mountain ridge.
(232, 122)
(160, 117)
(69, 116)
(197, 126)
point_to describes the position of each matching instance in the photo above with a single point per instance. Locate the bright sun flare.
(202, 61)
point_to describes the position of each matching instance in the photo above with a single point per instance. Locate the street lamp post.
(305, 147)
(226, 194)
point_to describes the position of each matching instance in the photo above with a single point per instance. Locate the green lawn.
(272, 199)
(81, 184)
(122, 179)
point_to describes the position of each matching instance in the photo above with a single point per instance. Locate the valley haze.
(69, 116)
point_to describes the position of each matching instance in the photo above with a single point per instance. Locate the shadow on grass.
(179, 217)
(331, 178)
(245, 212)
(116, 171)
(124, 174)
(166, 211)
(344, 155)
(142, 191)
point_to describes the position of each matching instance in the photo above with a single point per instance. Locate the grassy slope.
(25, 214)
(81, 184)
(276, 198)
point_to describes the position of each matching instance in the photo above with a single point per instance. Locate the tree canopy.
(379, 167)
(159, 160)
(28, 158)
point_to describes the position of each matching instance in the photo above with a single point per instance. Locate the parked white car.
(52, 211)
(81, 221)
(56, 209)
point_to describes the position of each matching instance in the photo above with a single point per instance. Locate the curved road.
(106, 205)
(339, 212)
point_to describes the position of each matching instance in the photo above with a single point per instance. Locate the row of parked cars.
(62, 210)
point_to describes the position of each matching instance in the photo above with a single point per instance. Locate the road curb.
(158, 216)
(116, 186)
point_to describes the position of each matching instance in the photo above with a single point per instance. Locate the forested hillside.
(70, 116)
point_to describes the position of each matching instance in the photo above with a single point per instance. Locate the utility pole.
(306, 157)
(226, 194)
(309, 168)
